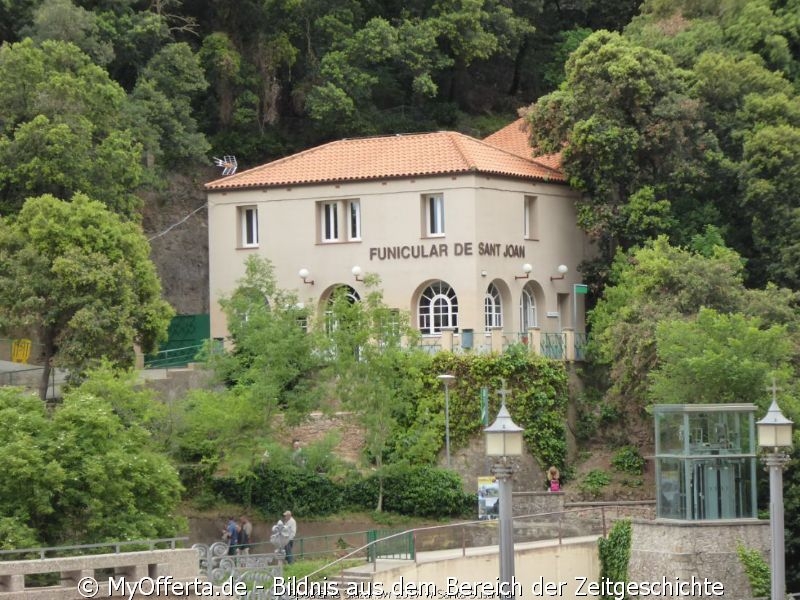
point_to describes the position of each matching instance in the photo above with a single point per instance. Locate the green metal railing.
(554, 345)
(376, 543)
(176, 357)
(394, 543)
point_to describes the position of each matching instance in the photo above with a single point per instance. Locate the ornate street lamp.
(775, 432)
(503, 442)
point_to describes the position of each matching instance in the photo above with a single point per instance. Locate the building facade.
(470, 237)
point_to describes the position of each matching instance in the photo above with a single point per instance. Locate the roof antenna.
(228, 164)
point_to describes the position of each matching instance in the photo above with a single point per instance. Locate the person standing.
(553, 478)
(245, 535)
(232, 535)
(291, 531)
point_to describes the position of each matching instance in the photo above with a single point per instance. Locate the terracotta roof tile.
(515, 138)
(385, 157)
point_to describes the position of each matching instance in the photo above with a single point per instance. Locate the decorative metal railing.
(554, 345)
(431, 345)
(581, 340)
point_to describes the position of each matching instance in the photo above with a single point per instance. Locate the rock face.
(180, 247)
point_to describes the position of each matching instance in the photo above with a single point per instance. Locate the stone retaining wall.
(700, 549)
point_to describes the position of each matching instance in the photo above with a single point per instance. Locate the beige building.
(476, 241)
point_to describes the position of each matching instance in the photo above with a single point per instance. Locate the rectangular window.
(248, 221)
(330, 222)
(354, 213)
(530, 219)
(433, 205)
(329, 215)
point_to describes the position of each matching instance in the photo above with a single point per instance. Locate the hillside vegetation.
(679, 119)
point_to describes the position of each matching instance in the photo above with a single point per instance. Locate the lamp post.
(503, 442)
(447, 380)
(774, 432)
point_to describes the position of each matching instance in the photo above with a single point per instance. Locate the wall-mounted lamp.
(356, 271)
(526, 268)
(562, 269)
(304, 275)
(484, 273)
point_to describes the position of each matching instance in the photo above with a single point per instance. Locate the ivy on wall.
(757, 571)
(537, 398)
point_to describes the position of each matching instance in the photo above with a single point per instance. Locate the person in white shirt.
(291, 530)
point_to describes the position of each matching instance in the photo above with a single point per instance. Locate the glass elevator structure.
(705, 461)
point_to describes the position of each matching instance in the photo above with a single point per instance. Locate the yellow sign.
(20, 351)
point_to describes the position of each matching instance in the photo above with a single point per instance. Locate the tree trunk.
(516, 79)
(49, 351)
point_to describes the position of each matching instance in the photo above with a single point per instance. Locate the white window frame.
(437, 309)
(329, 222)
(492, 308)
(354, 220)
(527, 310)
(530, 219)
(433, 207)
(248, 223)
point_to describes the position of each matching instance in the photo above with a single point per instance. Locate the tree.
(718, 358)
(660, 283)
(62, 129)
(631, 137)
(79, 475)
(161, 103)
(273, 356)
(81, 278)
(62, 20)
(371, 367)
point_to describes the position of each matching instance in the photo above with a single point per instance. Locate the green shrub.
(615, 553)
(757, 571)
(275, 489)
(628, 460)
(415, 491)
(422, 491)
(594, 482)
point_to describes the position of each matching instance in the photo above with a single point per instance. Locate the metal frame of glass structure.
(705, 461)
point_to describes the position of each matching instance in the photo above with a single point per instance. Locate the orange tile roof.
(439, 153)
(515, 138)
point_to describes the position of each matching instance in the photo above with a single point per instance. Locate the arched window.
(527, 310)
(350, 295)
(492, 307)
(438, 308)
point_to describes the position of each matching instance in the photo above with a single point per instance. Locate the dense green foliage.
(615, 553)
(537, 401)
(689, 117)
(355, 351)
(80, 474)
(415, 491)
(280, 77)
(80, 277)
(662, 288)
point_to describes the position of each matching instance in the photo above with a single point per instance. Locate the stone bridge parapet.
(180, 564)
